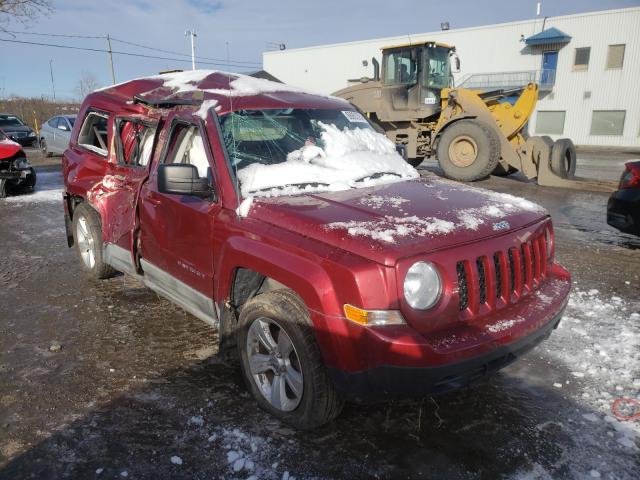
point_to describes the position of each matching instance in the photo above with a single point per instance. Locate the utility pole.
(193, 35)
(113, 73)
(53, 85)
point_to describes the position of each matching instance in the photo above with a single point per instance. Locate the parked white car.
(55, 134)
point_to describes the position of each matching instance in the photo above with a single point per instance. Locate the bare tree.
(22, 10)
(87, 84)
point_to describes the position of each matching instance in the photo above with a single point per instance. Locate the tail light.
(630, 177)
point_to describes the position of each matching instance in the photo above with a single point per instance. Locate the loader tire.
(468, 150)
(563, 158)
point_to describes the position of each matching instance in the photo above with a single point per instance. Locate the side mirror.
(64, 128)
(456, 59)
(182, 179)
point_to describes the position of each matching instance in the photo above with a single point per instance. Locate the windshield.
(437, 67)
(291, 151)
(10, 121)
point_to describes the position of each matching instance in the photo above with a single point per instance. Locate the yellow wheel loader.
(472, 133)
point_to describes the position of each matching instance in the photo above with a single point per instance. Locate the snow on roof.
(215, 85)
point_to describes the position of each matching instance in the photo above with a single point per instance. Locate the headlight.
(422, 285)
(20, 163)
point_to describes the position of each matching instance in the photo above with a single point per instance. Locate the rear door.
(119, 189)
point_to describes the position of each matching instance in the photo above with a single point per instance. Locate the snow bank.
(39, 196)
(348, 155)
(599, 340)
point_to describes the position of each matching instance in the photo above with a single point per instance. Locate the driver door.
(176, 240)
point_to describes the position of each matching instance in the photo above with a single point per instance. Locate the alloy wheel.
(274, 364)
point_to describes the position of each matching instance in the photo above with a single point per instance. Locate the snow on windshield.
(348, 158)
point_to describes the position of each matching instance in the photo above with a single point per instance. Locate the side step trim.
(119, 258)
(179, 293)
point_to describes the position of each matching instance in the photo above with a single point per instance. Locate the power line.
(100, 50)
(54, 34)
(198, 57)
(126, 42)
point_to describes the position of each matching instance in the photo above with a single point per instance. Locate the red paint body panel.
(512, 286)
(8, 148)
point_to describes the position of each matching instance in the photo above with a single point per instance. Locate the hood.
(9, 149)
(392, 221)
(8, 130)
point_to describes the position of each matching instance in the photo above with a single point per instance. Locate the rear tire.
(30, 181)
(468, 150)
(563, 158)
(87, 238)
(278, 353)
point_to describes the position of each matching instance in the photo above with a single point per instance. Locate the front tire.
(87, 237)
(44, 148)
(468, 150)
(281, 361)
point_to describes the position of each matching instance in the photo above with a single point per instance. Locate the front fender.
(302, 275)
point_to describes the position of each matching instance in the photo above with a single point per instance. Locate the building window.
(607, 122)
(615, 56)
(581, 59)
(550, 122)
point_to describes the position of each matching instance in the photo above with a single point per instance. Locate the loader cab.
(414, 75)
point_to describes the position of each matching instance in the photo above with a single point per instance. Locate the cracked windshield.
(284, 152)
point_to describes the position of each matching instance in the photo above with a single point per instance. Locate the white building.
(587, 65)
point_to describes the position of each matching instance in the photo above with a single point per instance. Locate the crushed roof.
(228, 89)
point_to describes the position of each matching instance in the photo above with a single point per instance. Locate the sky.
(235, 30)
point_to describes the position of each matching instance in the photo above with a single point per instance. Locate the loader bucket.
(540, 152)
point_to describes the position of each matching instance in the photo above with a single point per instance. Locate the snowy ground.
(106, 380)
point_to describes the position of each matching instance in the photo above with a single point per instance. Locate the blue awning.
(545, 37)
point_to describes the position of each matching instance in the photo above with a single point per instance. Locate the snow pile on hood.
(349, 157)
(389, 227)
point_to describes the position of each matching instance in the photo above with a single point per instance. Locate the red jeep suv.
(286, 221)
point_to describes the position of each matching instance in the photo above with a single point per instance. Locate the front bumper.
(388, 381)
(16, 174)
(378, 363)
(24, 141)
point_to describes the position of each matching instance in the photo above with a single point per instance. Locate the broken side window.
(135, 142)
(93, 135)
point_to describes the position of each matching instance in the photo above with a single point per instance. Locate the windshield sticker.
(354, 117)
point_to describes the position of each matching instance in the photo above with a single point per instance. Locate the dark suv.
(286, 221)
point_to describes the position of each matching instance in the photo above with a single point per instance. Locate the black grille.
(523, 264)
(512, 271)
(462, 286)
(496, 266)
(482, 279)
